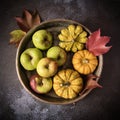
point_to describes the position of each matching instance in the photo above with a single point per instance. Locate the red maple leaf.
(97, 44)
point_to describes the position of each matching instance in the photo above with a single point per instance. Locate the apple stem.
(39, 81)
(58, 57)
(47, 66)
(30, 57)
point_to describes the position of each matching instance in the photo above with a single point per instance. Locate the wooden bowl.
(54, 26)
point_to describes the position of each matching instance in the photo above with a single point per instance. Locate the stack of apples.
(46, 66)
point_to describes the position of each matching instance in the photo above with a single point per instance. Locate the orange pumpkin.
(84, 62)
(67, 83)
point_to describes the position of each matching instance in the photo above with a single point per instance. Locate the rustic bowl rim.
(99, 71)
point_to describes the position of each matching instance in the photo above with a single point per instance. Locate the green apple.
(42, 39)
(30, 58)
(40, 85)
(58, 54)
(47, 67)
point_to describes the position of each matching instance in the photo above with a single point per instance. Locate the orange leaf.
(91, 83)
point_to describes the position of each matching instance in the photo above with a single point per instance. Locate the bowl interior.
(54, 26)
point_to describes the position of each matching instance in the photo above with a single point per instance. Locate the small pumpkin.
(84, 62)
(72, 38)
(67, 83)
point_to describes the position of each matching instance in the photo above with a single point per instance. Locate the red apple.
(40, 85)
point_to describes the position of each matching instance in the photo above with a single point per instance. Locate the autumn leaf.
(97, 44)
(28, 20)
(16, 37)
(91, 83)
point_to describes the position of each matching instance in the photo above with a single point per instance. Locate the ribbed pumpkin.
(84, 62)
(67, 83)
(72, 38)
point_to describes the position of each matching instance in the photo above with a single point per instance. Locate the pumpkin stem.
(66, 84)
(85, 60)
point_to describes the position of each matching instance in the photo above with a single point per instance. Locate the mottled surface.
(100, 104)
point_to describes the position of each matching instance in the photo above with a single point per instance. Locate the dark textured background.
(100, 104)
